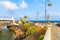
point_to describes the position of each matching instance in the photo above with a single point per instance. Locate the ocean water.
(53, 21)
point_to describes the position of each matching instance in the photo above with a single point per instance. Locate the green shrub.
(44, 29)
(26, 25)
(30, 30)
(40, 37)
(21, 20)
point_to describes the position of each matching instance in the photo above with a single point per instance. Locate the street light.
(49, 4)
(37, 15)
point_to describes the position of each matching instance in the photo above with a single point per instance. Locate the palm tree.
(25, 18)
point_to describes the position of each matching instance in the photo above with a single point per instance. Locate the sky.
(20, 8)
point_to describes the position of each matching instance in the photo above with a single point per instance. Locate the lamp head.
(49, 4)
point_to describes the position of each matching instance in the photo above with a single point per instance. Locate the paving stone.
(55, 33)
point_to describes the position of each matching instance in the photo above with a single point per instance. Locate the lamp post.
(46, 11)
(37, 15)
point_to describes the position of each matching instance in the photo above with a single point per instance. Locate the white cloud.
(54, 14)
(23, 4)
(12, 6)
(3, 0)
(9, 5)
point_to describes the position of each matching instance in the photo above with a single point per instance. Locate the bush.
(44, 29)
(28, 32)
(21, 20)
(26, 25)
(40, 37)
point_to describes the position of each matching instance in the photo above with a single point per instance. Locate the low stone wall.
(48, 34)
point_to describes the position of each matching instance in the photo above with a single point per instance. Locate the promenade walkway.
(52, 33)
(55, 32)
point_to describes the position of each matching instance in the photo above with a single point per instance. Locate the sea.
(53, 21)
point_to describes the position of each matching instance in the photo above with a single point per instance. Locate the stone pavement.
(55, 32)
(52, 33)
